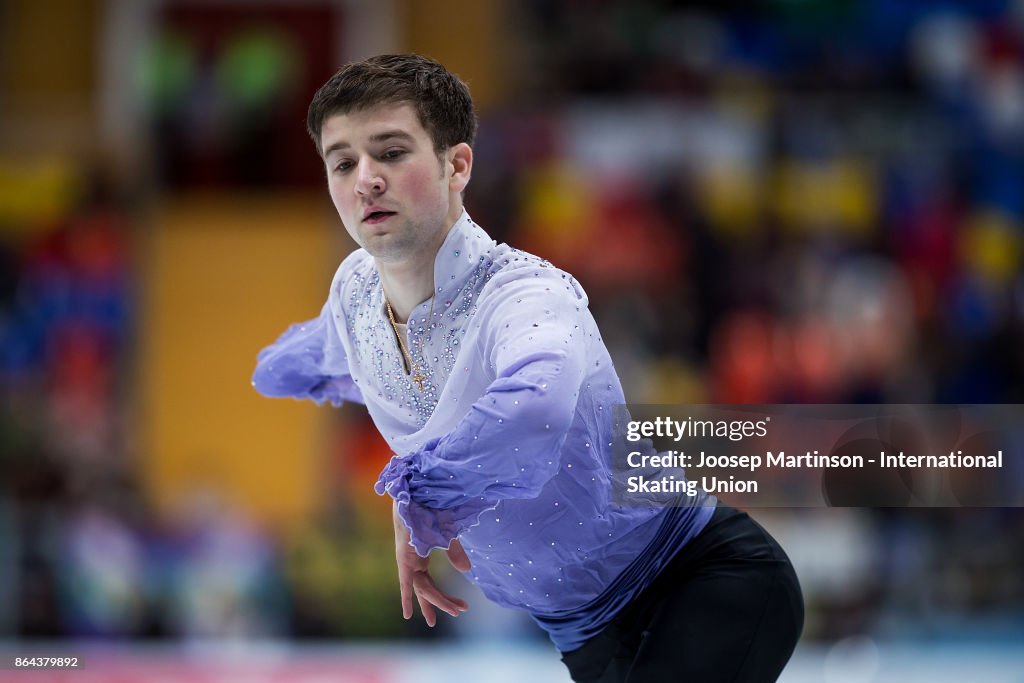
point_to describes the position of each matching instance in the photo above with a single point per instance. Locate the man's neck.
(410, 282)
(406, 285)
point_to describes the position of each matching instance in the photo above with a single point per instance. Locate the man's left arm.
(508, 445)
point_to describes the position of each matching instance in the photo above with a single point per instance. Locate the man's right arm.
(307, 361)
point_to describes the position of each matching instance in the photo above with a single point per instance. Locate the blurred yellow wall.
(467, 36)
(65, 68)
(48, 77)
(222, 277)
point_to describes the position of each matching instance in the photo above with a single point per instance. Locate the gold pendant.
(419, 379)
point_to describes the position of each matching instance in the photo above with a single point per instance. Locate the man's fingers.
(406, 587)
(414, 580)
(458, 557)
(427, 590)
(427, 609)
(458, 603)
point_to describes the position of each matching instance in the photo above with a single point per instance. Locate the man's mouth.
(377, 216)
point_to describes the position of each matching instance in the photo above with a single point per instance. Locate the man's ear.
(460, 166)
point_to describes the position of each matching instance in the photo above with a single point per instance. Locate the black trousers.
(727, 608)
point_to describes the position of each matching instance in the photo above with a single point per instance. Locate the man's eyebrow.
(391, 135)
(376, 137)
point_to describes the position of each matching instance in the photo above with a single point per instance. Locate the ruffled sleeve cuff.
(306, 362)
(429, 528)
(289, 377)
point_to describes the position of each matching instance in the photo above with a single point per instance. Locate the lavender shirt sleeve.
(508, 444)
(308, 362)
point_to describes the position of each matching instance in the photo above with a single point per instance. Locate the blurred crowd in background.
(767, 202)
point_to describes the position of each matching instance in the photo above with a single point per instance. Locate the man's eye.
(392, 154)
(343, 166)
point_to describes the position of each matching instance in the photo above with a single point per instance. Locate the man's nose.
(369, 180)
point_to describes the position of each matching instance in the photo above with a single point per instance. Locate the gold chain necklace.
(416, 375)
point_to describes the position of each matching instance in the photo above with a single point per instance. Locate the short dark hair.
(440, 98)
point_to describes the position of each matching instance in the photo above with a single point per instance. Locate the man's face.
(394, 196)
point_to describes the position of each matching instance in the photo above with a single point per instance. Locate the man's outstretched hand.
(414, 576)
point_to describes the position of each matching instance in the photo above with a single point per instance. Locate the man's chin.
(377, 239)
(388, 247)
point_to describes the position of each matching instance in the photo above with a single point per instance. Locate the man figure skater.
(484, 370)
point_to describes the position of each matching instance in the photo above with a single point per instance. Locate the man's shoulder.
(514, 271)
